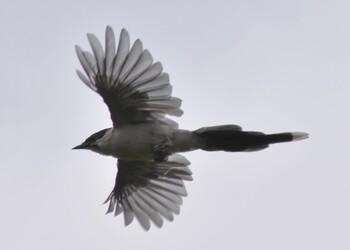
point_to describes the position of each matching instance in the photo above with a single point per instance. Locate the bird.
(148, 144)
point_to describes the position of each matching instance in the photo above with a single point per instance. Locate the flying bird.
(150, 180)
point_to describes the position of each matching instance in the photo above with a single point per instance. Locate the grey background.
(272, 66)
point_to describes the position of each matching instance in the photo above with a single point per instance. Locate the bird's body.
(149, 182)
(140, 141)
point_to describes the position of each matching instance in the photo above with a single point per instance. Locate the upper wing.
(133, 87)
(149, 190)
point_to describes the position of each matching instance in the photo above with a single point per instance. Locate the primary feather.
(133, 87)
(149, 190)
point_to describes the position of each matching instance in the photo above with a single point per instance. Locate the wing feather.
(128, 213)
(132, 59)
(170, 205)
(88, 68)
(133, 87)
(150, 74)
(143, 64)
(98, 52)
(161, 82)
(156, 205)
(148, 190)
(86, 81)
(152, 214)
(110, 51)
(122, 53)
(140, 215)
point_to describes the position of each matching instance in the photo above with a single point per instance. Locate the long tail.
(231, 138)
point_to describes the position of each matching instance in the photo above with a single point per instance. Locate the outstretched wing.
(148, 190)
(133, 87)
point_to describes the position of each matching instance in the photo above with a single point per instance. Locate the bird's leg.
(161, 151)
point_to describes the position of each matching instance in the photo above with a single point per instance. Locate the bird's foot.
(160, 152)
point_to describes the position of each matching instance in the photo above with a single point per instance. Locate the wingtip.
(91, 37)
(297, 136)
(138, 42)
(77, 49)
(109, 28)
(124, 33)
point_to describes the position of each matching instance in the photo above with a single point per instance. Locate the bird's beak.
(82, 146)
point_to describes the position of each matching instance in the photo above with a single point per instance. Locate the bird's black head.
(90, 143)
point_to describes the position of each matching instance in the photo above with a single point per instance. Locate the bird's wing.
(148, 190)
(133, 87)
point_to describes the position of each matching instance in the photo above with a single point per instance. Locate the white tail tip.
(297, 136)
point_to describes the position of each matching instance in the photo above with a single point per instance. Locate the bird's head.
(91, 142)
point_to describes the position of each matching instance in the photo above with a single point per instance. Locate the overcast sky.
(271, 66)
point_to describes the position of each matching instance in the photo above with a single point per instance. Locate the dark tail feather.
(231, 138)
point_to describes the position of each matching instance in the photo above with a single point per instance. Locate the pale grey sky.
(272, 66)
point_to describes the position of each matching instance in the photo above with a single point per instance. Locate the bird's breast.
(134, 142)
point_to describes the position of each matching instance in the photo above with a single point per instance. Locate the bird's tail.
(231, 138)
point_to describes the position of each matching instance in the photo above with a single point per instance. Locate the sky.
(270, 66)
